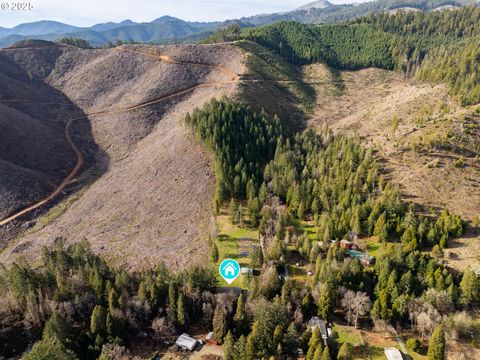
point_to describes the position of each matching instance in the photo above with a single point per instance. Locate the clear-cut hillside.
(144, 193)
(427, 141)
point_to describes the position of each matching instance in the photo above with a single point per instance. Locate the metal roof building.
(393, 354)
(186, 342)
(324, 330)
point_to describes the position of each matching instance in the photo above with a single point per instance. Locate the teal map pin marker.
(229, 269)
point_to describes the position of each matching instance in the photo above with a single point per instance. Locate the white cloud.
(89, 12)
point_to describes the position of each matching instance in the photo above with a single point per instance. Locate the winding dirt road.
(60, 187)
(235, 78)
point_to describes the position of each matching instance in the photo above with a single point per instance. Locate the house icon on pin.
(229, 270)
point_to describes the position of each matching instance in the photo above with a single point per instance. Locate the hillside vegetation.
(144, 153)
(167, 29)
(309, 202)
(425, 139)
(343, 12)
(439, 46)
(341, 192)
(333, 179)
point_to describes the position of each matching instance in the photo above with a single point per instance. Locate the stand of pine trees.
(241, 141)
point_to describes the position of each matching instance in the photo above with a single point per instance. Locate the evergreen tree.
(257, 257)
(98, 321)
(254, 208)
(219, 325)
(57, 327)
(308, 305)
(50, 349)
(409, 239)
(345, 352)
(381, 229)
(112, 300)
(214, 253)
(256, 347)
(292, 341)
(181, 317)
(326, 354)
(250, 347)
(233, 210)
(325, 302)
(241, 348)
(229, 348)
(172, 302)
(436, 345)
(278, 335)
(314, 343)
(470, 288)
(318, 353)
(240, 318)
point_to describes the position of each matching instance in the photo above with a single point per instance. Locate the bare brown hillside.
(428, 143)
(146, 194)
(34, 154)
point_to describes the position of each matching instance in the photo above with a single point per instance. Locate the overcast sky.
(89, 12)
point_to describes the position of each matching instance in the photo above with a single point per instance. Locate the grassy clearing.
(368, 344)
(375, 248)
(309, 228)
(232, 240)
(347, 334)
(299, 274)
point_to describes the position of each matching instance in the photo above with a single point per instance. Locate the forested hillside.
(76, 306)
(344, 12)
(341, 192)
(242, 142)
(323, 233)
(439, 46)
(340, 46)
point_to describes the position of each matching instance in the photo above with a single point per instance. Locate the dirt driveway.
(207, 349)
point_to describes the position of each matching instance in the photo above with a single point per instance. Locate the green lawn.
(307, 227)
(416, 356)
(374, 248)
(375, 343)
(233, 239)
(347, 335)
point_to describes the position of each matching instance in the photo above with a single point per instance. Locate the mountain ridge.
(168, 28)
(319, 4)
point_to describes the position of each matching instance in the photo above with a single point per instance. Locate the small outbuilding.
(185, 342)
(246, 271)
(346, 244)
(209, 339)
(393, 354)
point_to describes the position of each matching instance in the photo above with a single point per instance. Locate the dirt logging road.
(234, 78)
(58, 190)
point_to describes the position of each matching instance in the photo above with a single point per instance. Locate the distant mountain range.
(161, 29)
(167, 28)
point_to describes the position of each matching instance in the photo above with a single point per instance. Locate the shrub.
(413, 344)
